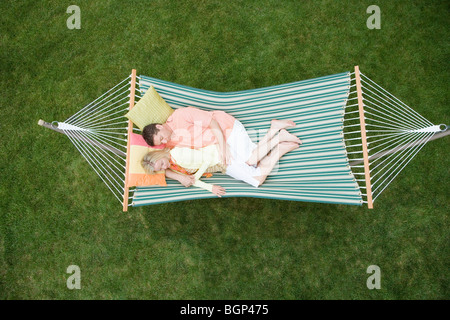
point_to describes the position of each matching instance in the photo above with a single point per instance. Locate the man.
(193, 128)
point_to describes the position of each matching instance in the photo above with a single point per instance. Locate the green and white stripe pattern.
(318, 171)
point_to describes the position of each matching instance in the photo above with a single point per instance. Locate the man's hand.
(225, 154)
(187, 180)
(218, 191)
(224, 150)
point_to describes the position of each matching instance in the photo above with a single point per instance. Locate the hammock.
(357, 138)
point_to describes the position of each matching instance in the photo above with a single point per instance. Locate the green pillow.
(150, 109)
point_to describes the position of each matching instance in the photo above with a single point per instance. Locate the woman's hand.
(218, 191)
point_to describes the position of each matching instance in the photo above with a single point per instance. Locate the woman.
(250, 163)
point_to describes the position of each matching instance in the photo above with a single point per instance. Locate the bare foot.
(281, 124)
(288, 146)
(285, 147)
(288, 137)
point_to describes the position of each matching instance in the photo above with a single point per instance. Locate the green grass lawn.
(56, 212)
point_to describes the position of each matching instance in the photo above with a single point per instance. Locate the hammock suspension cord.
(98, 133)
(395, 133)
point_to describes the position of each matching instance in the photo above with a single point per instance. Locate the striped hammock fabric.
(318, 171)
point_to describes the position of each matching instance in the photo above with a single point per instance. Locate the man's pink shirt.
(190, 127)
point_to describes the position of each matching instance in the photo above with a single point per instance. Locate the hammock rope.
(395, 133)
(98, 133)
(357, 137)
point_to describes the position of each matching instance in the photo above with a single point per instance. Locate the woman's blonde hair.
(151, 157)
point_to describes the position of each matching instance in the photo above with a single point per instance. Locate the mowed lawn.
(56, 212)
